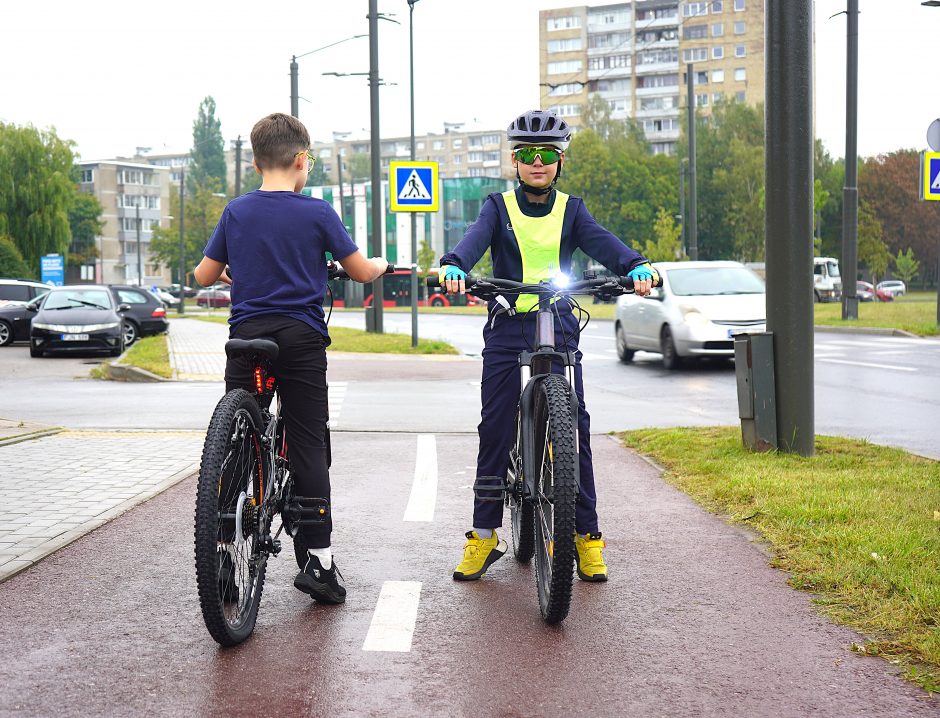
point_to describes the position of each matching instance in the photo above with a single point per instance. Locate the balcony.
(656, 91)
(657, 112)
(610, 72)
(652, 68)
(657, 23)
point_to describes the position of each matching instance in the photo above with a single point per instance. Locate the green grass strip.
(150, 353)
(359, 340)
(915, 313)
(858, 525)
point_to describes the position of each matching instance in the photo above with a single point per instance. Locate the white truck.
(827, 280)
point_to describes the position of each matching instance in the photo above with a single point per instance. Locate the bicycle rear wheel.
(521, 511)
(230, 564)
(556, 493)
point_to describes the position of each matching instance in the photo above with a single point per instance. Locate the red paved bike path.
(693, 621)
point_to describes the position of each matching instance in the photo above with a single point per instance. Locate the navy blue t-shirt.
(274, 243)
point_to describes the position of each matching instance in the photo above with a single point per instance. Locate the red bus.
(397, 290)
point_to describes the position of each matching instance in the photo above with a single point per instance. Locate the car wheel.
(131, 333)
(437, 302)
(34, 352)
(6, 334)
(118, 350)
(671, 360)
(816, 299)
(623, 351)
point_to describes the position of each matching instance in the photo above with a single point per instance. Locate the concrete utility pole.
(693, 194)
(789, 217)
(293, 87)
(414, 219)
(180, 309)
(375, 240)
(140, 261)
(850, 189)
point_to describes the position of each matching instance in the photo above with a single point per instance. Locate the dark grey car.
(146, 315)
(79, 318)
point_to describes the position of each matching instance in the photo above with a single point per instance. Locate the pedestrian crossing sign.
(930, 170)
(413, 186)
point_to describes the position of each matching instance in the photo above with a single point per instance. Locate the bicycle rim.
(521, 511)
(230, 565)
(554, 503)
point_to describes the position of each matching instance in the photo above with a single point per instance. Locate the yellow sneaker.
(590, 558)
(478, 555)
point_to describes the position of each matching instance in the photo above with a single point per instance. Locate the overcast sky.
(113, 76)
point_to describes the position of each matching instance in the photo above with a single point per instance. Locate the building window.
(695, 32)
(695, 54)
(716, 6)
(572, 44)
(458, 159)
(718, 29)
(491, 156)
(566, 66)
(563, 23)
(326, 152)
(619, 105)
(609, 62)
(650, 36)
(740, 74)
(739, 96)
(659, 103)
(437, 145)
(475, 172)
(701, 78)
(701, 100)
(567, 89)
(475, 141)
(718, 97)
(567, 110)
(88, 175)
(608, 40)
(691, 9)
(740, 51)
(420, 145)
(739, 5)
(740, 27)
(474, 157)
(718, 75)
(458, 142)
(659, 14)
(718, 52)
(490, 139)
(657, 81)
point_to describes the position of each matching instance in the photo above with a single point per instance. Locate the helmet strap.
(539, 190)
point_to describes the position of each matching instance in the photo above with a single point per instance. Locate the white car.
(894, 287)
(168, 299)
(696, 312)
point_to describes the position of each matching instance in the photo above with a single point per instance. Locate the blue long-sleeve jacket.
(580, 230)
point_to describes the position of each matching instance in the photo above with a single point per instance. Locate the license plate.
(75, 337)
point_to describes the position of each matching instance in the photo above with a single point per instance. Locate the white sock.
(324, 556)
(484, 533)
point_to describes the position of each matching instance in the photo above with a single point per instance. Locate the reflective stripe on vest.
(539, 241)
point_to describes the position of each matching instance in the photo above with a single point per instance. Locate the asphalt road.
(693, 621)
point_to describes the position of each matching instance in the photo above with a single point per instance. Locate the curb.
(866, 330)
(18, 438)
(126, 372)
(36, 554)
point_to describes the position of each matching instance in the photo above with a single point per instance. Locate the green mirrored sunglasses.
(527, 155)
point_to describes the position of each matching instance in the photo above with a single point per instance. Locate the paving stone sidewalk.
(197, 349)
(60, 487)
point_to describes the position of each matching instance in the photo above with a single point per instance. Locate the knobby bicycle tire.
(522, 514)
(231, 468)
(556, 493)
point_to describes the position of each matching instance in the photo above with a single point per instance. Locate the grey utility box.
(757, 406)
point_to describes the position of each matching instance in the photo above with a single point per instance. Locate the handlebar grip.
(390, 269)
(433, 281)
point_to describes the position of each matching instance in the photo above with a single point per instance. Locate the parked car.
(20, 291)
(696, 312)
(867, 292)
(894, 287)
(214, 297)
(15, 318)
(169, 300)
(146, 315)
(81, 317)
(174, 289)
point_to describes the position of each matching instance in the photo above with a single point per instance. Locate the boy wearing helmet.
(532, 232)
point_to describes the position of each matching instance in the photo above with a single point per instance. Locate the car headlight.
(50, 327)
(76, 328)
(691, 315)
(99, 327)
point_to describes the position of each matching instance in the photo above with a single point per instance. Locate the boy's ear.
(254, 164)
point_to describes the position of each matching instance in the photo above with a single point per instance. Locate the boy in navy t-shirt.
(274, 240)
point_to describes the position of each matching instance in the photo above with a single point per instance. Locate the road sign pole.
(850, 189)
(414, 219)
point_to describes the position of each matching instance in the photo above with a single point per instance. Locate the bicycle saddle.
(266, 347)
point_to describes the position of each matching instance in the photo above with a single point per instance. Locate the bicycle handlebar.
(490, 285)
(336, 271)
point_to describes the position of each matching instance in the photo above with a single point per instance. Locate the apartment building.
(128, 192)
(459, 152)
(635, 55)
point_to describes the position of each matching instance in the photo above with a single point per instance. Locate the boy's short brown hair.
(276, 140)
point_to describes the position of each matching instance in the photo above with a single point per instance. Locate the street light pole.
(180, 309)
(140, 275)
(337, 138)
(375, 240)
(936, 3)
(850, 189)
(414, 219)
(693, 197)
(294, 98)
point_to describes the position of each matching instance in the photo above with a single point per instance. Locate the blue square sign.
(931, 174)
(413, 186)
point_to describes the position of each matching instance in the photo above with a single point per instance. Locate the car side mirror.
(124, 308)
(32, 307)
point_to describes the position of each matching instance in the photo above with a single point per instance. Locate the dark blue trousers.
(500, 393)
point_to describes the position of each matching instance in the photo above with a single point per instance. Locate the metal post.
(693, 198)
(788, 218)
(293, 86)
(180, 309)
(238, 166)
(682, 205)
(850, 189)
(140, 263)
(342, 199)
(414, 219)
(375, 241)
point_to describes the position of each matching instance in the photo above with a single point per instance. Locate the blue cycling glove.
(450, 271)
(643, 272)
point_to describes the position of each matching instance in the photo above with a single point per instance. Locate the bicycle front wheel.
(556, 493)
(230, 563)
(520, 509)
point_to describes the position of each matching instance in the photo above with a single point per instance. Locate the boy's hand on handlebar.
(453, 279)
(644, 278)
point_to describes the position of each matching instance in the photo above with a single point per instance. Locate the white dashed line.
(336, 394)
(869, 364)
(424, 489)
(393, 622)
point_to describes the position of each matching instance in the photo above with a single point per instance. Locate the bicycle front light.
(561, 280)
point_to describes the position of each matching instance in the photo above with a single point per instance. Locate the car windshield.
(833, 268)
(67, 298)
(707, 281)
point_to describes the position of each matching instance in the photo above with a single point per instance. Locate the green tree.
(318, 176)
(483, 268)
(666, 247)
(85, 225)
(360, 167)
(872, 251)
(426, 256)
(203, 209)
(208, 152)
(11, 261)
(251, 180)
(36, 191)
(831, 176)
(906, 265)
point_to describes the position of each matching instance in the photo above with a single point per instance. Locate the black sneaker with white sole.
(323, 585)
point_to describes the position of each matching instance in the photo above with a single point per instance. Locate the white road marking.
(869, 364)
(424, 489)
(393, 622)
(336, 392)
